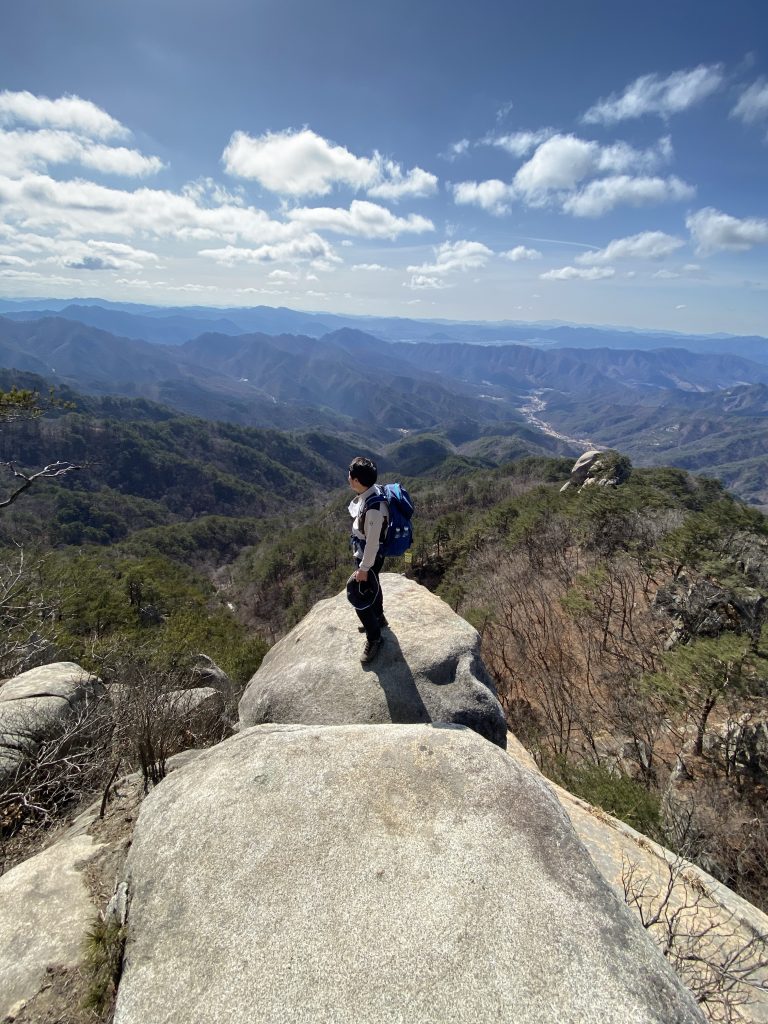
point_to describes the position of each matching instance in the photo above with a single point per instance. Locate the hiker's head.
(363, 471)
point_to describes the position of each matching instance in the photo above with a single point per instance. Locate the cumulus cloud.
(655, 94)
(492, 195)
(362, 218)
(602, 195)
(713, 231)
(414, 184)
(298, 163)
(37, 203)
(69, 113)
(22, 151)
(648, 245)
(578, 273)
(521, 253)
(753, 103)
(453, 256)
(368, 266)
(563, 161)
(303, 163)
(521, 143)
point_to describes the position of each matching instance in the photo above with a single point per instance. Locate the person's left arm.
(374, 522)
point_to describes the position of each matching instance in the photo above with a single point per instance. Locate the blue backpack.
(399, 533)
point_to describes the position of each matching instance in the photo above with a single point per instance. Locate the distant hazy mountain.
(174, 325)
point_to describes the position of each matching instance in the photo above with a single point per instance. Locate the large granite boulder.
(359, 874)
(45, 913)
(428, 669)
(39, 705)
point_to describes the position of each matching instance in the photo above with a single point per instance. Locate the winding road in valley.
(537, 404)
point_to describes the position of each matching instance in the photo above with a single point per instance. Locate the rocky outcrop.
(39, 705)
(428, 670)
(389, 873)
(605, 469)
(699, 607)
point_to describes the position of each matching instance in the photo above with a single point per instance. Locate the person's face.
(356, 486)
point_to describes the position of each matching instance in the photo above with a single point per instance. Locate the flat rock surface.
(358, 874)
(428, 669)
(45, 911)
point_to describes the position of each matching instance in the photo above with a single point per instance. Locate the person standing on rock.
(369, 513)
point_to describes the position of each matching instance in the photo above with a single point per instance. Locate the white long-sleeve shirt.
(370, 535)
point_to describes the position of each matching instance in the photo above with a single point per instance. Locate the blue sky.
(592, 162)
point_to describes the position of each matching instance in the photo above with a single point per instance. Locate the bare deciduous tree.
(707, 947)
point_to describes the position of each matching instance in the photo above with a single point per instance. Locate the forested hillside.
(624, 626)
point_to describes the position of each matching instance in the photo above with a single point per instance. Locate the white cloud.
(492, 195)
(521, 253)
(714, 231)
(368, 266)
(453, 256)
(8, 260)
(38, 203)
(666, 275)
(459, 148)
(298, 163)
(648, 245)
(426, 281)
(414, 184)
(598, 197)
(311, 247)
(22, 151)
(519, 144)
(100, 255)
(654, 94)
(282, 275)
(563, 161)
(753, 103)
(581, 273)
(69, 112)
(362, 218)
(303, 163)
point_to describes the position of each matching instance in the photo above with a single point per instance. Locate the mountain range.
(428, 401)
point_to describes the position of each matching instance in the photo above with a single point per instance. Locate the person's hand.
(361, 575)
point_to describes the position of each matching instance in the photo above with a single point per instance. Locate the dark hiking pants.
(371, 617)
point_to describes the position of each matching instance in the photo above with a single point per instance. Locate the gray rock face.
(606, 469)
(356, 874)
(39, 704)
(45, 911)
(428, 670)
(702, 608)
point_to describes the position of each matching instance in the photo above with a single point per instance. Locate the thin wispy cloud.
(578, 274)
(659, 95)
(520, 143)
(752, 105)
(648, 245)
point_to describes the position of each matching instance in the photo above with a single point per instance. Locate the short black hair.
(363, 470)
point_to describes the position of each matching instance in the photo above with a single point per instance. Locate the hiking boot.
(382, 622)
(370, 650)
